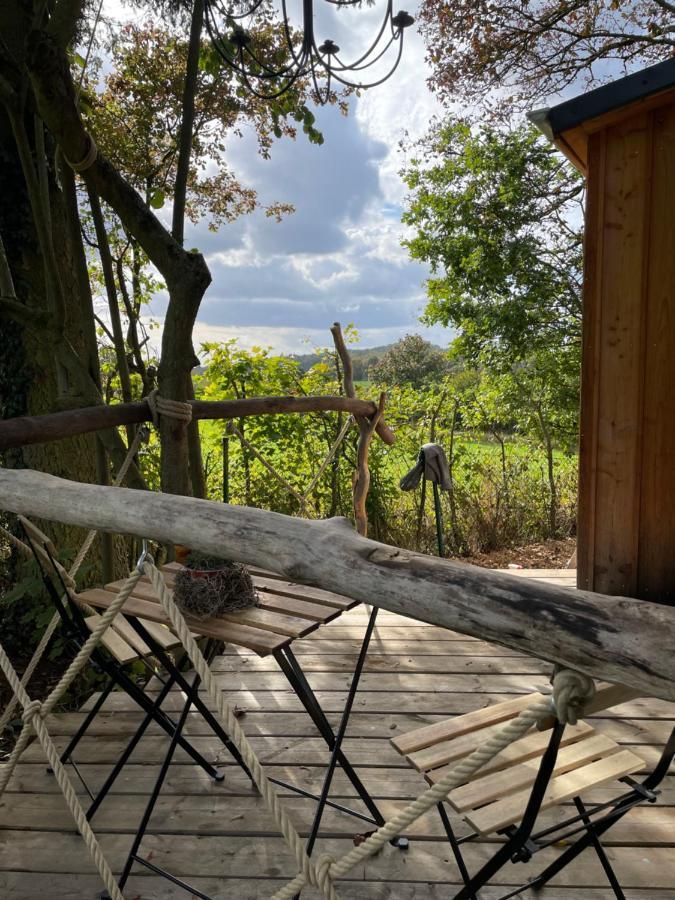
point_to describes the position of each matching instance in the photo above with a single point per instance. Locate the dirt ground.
(547, 555)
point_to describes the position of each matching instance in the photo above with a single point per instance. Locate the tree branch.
(48, 66)
(24, 430)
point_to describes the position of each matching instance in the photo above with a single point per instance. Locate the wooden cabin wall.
(627, 444)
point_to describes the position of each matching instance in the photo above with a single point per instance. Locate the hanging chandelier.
(269, 71)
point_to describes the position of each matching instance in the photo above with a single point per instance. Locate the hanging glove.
(431, 462)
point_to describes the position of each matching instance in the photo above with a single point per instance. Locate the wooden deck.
(220, 837)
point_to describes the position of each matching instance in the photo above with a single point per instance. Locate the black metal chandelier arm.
(385, 20)
(289, 37)
(219, 42)
(228, 14)
(268, 72)
(370, 84)
(272, 95)
(240, 68)
(354, 67)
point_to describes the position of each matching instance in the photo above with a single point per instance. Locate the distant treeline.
(362, 359)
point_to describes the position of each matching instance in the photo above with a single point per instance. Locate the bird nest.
(209, 587)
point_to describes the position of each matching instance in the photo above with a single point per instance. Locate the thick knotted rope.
(172, 409)
(571, 691)
(68, 578)
(569, 695)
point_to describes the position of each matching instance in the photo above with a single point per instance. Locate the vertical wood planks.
(627, 443)
(656, 579)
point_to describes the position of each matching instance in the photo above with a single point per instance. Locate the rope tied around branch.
(171, 409)
(87, 160)
(571, 691)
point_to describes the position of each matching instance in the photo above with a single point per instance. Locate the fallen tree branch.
(24, 430)
(617, 639)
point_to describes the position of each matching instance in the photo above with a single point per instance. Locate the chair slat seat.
(430, 735)
(497, 795)
(528, 747)
(497, 816)
(114, 643)
(259, 640)
(303, 592)
(305, 609)
(500, 784)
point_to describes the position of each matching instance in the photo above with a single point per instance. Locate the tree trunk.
(30, 383)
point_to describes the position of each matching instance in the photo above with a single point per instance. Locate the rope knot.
(172, 409)
(31, 710)
(322, 872)
(571, 691)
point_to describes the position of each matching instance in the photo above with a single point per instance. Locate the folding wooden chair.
(129, 640)
(286, 612)
(540, 771)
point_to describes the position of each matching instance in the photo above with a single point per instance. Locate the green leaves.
(496, 215)
(157, 199)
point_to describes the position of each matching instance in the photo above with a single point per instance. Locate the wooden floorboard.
(220, 837)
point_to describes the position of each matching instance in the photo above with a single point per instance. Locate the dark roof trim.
(604, 99)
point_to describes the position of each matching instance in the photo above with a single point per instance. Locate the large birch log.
(622, 640)
(23, 430)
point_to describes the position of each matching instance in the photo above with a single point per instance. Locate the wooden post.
(367, 428)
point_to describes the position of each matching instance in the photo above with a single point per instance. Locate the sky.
(338, 257)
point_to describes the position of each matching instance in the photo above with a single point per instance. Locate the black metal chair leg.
(344, 722)
(160, 717)
(198, 703)
(89, 718)
(128, 750)
(600, 850)
(577, 848)
(306, 696)
(342, 729)
(161, 777)
(459, 859)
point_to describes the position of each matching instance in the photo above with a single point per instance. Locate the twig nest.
(209, 587)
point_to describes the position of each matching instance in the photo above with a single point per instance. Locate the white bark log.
(613, 638)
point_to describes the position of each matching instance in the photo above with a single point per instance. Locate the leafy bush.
(503, 492)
